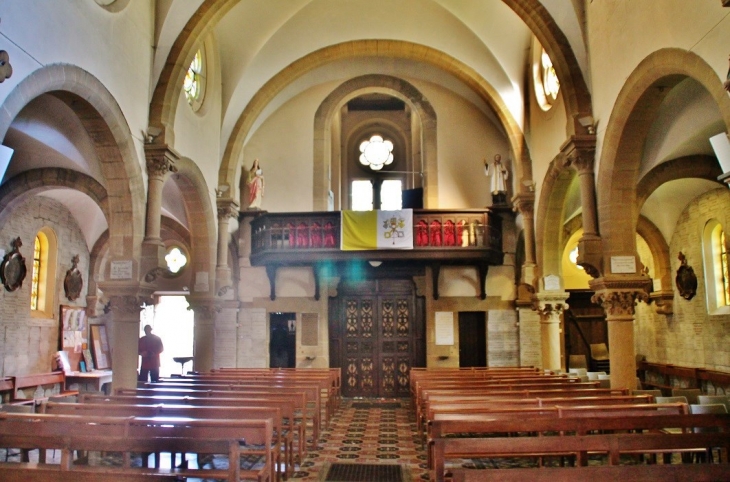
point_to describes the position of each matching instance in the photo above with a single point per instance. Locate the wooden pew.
(128, 435)
(332, 374)
(453, 396)
(311, 409)
(35, 380)
(289, 406)
(574, 430)
(324, 399)
(189, 411)
(676, 473)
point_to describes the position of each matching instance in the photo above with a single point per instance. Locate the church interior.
(560, 168)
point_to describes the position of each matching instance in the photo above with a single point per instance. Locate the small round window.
(194, 83)
(175, 259)
(547, 84)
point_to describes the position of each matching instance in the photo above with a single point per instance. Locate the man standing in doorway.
(150, 347)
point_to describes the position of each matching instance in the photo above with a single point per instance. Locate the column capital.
(206, 309)
(160, 160)
(550, 304)
(579, 153)
(227, 208)
(524, 203)
(618, 295)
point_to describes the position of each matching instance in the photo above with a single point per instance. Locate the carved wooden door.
(375, 338)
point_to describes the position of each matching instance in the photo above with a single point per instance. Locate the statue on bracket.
(12, 269)
(498, 175)
(255, 183)
(73, 282)
(686, 279)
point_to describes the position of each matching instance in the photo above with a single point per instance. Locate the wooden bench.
(290, 408)
(282, 447)
(310, 410)
(573, 438)
(321, 401)
(128, 435)
(35, 380)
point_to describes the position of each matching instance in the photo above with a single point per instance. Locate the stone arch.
(102, 118)
(635, 106)
(549, 236)
(365, 49)
(696, 166)
(167, 90)
(659, 250)
(201, 217)
(352, 88)
(17, 189)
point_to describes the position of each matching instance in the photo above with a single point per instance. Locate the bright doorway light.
(174, 323)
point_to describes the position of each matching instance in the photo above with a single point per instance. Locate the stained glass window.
(36, 278)
(547, 84)
(193, 84)
(725, 271)
(175, 259)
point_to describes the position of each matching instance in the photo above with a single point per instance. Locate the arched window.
(194, 82)
(547, 84)
(717, 276)
(43, 277)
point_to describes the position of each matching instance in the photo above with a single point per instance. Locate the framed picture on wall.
(100, 347)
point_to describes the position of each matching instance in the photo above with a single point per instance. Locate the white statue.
(498, 175)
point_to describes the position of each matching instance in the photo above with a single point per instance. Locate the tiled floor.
(368, 436)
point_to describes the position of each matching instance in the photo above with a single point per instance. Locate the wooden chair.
(714, 399)
(717, 408)
(690, 394)
(599, 357)
(577, 361)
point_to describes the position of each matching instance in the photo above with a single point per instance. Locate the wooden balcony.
(440, 237)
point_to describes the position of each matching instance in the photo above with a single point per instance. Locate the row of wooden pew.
(477, 413)
(262, 415)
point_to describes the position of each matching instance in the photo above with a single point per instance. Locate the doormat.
(382, 406)
(364, 473)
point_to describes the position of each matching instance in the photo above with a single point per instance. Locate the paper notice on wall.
(444, 328)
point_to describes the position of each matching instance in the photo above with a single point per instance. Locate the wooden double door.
(377, 334)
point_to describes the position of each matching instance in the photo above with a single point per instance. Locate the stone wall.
(27, 343)
(690, 336)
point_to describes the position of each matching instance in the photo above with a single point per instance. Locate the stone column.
(550, 305)
(579, 152)
(204, 332)
(227, 209)
(618, 296)
(160, 162)
(125, 309)
(524, 204)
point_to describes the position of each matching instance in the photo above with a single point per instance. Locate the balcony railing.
(440, 237)
(436, 233)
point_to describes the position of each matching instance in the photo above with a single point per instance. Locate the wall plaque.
(623, 264)
(310, 329)
(121, 269)
(444, 328)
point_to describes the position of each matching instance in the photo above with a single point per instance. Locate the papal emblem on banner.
(366, 230)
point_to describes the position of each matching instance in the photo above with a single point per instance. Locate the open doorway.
(173, 322)
(472, 339)
(282, 336)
